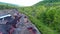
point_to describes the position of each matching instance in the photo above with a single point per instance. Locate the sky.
(21, 2)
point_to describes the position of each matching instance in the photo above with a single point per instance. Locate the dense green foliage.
(45, 15)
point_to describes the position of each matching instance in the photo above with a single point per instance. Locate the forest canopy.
(45, 15)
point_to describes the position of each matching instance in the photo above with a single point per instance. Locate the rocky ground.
(22, 26)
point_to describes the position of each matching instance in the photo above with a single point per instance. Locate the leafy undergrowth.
(41, 27)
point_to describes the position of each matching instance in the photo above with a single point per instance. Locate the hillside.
(45, 15)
